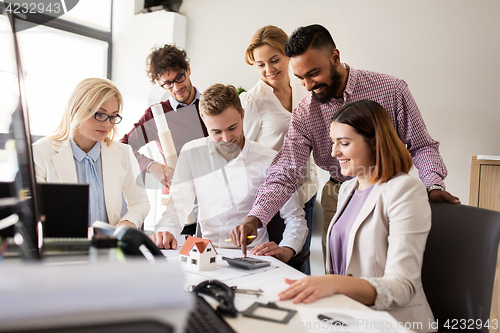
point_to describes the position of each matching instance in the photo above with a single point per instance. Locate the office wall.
(133, 38)
(446, 50)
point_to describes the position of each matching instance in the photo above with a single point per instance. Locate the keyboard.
(63, 244)
(203, 319)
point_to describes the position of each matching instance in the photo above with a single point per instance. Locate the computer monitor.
(65, 208)
(16, 160)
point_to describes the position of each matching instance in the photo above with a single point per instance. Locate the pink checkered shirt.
(309, 130)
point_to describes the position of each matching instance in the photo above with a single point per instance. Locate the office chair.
(459, 264)
(275, 230)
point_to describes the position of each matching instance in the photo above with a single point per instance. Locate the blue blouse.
(89, 171)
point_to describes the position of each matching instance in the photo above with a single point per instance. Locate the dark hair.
(313, 36)
(217, 98)
(371, 120)
(168, 57)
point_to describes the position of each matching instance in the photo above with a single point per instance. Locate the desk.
(37, 295)
(271, 280)
(52, 296)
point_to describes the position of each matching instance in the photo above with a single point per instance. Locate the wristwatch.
(435, 187)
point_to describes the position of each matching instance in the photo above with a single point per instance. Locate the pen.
(330, 320)
(248, 237)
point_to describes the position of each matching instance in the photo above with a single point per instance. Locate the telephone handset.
(220, 292)
(133, 241)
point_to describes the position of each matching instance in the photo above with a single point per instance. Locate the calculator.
(247, 263)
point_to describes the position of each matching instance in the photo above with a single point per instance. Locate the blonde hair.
(268, 35)
(84, 102)
(217, 98)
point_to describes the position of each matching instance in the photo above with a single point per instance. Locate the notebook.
(66, 209)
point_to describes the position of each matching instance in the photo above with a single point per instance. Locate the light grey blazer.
(386, 245)
(120, 172)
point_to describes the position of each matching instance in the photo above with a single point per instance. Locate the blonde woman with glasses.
(82, 150)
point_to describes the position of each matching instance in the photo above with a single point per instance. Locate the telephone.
(134, 242)
(220, 292)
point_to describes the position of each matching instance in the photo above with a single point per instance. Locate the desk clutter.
(122, 241)
(203, 318)
(68, 296)
(219, 291)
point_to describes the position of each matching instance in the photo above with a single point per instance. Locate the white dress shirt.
(267, 121)
(225, 192)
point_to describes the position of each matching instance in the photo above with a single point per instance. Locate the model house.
(198, 254)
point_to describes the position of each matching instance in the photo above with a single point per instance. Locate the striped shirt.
(310, 128)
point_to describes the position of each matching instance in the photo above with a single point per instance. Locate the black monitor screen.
(18, 195)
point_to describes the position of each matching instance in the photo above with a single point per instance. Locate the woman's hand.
(282, 253)
(127, 223)
(309, 289)
(312, 288)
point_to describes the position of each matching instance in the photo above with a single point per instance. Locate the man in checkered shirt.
(316, 63)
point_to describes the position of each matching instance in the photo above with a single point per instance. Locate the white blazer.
(120, 172)
(386, 245)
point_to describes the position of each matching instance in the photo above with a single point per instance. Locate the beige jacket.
(386, 245)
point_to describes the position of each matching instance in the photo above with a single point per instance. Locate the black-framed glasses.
(169, 84)
(102, 117)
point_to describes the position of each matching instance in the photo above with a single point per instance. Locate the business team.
(363, 127)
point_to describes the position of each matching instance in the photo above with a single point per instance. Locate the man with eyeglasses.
(167, 66)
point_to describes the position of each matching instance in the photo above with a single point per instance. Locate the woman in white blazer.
(82, 150)
(269, 104)
(376, 240)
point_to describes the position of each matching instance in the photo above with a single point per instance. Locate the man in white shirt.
(223, 171)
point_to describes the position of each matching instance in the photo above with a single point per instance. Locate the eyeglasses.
(169, 84)
(102, 117)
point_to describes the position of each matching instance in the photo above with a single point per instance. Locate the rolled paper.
(166, 140)
(160, 119)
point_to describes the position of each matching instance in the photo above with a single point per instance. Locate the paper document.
(243, 278)
(324, 320)
(103, 228)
